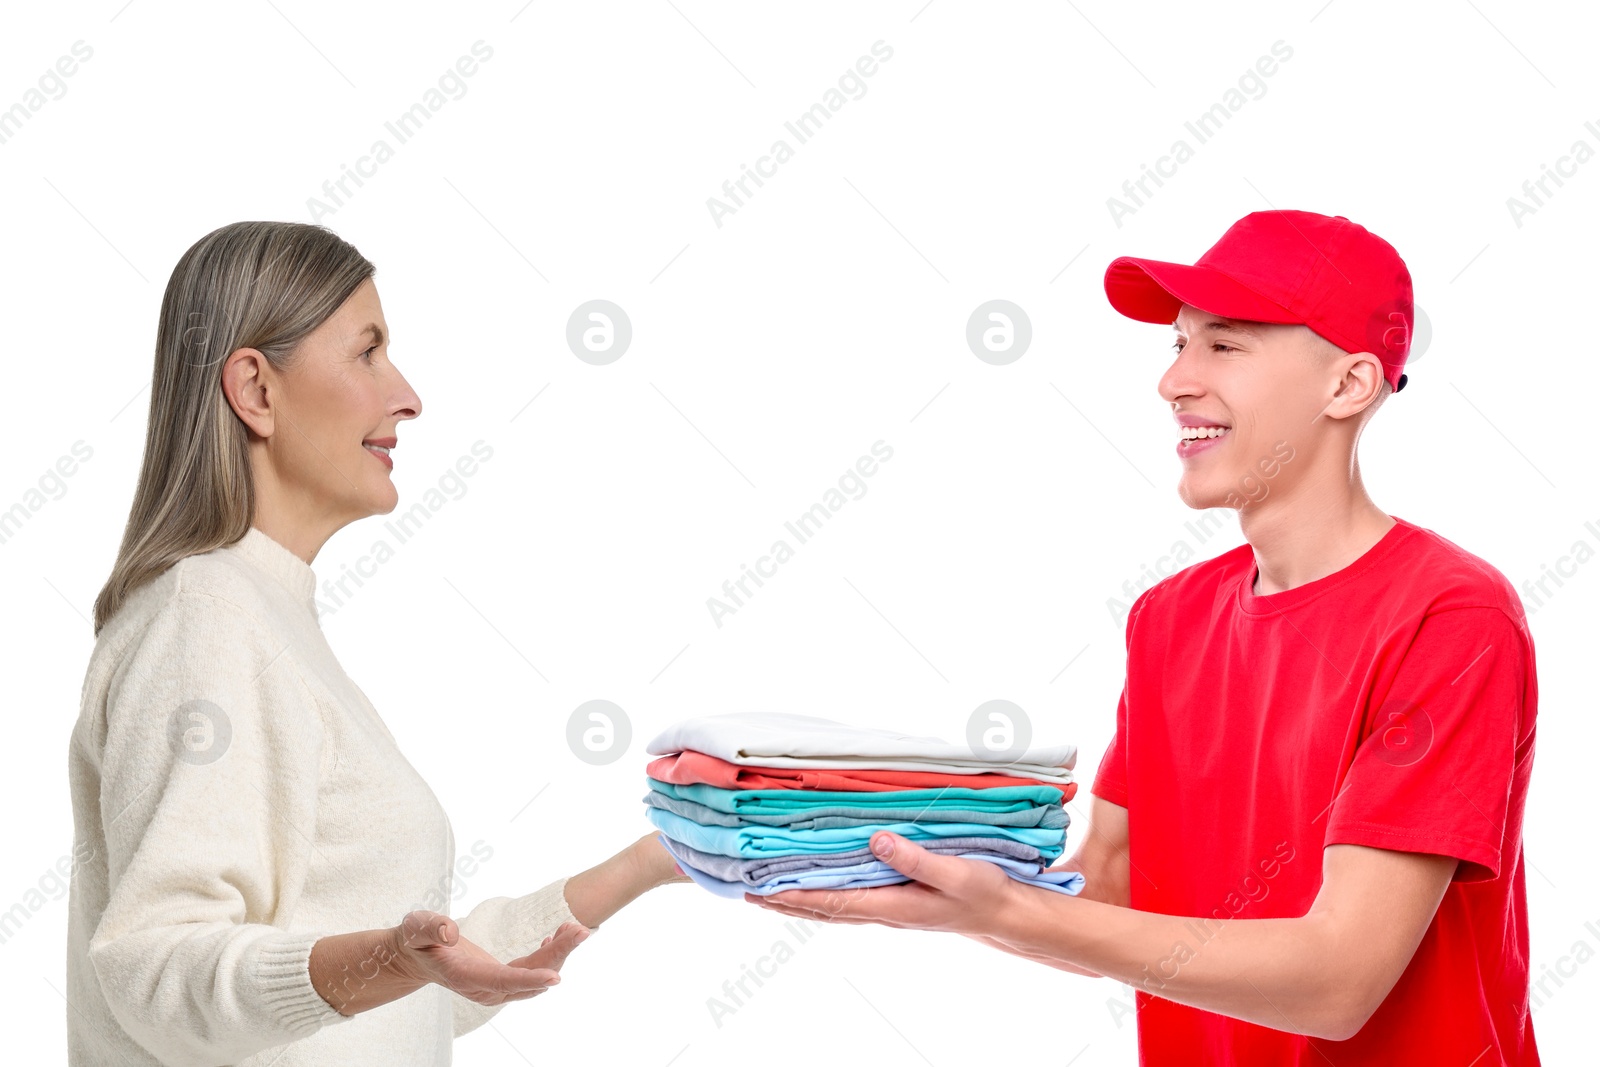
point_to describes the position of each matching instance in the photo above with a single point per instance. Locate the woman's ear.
(245, 376)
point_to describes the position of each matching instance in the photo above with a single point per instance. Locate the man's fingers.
(914, 861)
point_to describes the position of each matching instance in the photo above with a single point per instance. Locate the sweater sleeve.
(208, 797)
(506, 928)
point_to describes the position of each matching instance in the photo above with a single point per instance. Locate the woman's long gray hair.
(260, 285)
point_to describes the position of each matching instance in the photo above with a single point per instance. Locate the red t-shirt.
(1388, 704)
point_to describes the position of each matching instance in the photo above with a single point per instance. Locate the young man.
(1305, 845)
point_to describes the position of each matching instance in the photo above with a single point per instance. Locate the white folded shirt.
(775, 739)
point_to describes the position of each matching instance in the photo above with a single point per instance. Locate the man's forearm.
(1101, 886)
(1048, 961)
(1274, 972)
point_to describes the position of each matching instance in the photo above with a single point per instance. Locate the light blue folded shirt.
(756, 842)
(870, 875)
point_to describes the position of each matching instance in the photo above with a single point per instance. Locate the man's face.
(1265, 383)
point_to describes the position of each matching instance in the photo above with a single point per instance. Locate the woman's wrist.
(657, 867)
(358, 971)
(594, 895)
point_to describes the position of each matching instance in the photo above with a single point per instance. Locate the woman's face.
(336, 412)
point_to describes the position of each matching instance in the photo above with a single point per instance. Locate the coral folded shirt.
(689, 767)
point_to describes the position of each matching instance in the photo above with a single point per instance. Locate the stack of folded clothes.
(761, 803)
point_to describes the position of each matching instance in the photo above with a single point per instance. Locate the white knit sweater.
(236, 797)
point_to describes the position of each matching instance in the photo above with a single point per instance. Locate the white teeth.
(1192, 433)
(377, 448)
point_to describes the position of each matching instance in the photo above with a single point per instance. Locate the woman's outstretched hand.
(429, 948)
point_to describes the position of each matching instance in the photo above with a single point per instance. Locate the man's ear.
(245, 382)
(1360, 384)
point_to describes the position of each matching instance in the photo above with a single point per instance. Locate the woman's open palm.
(431, 949)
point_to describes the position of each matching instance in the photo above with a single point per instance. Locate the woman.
(248, 832)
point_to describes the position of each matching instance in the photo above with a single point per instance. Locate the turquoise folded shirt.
(827, 816)
(756, 842)
(776, 801)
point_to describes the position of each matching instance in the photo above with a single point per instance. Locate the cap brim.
(1152, 290)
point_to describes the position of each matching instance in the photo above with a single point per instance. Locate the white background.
(827, 313)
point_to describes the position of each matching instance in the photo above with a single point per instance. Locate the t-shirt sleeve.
(1111, 777)
(1436, 764)
(208, 791)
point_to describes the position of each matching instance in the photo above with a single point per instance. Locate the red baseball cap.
(1346, 283)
